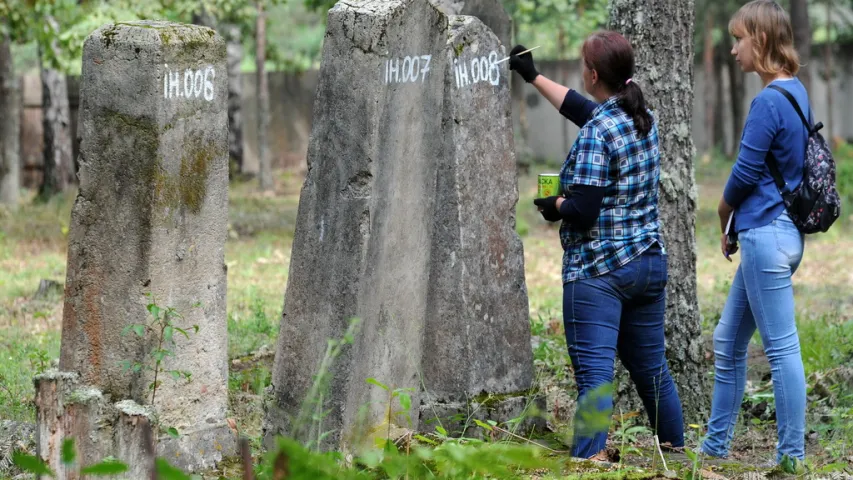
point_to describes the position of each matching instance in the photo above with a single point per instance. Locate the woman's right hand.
(523, 64)
(728, 249)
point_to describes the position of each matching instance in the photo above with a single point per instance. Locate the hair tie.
(628, 81)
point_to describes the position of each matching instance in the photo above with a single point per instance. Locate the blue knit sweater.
(772, 125)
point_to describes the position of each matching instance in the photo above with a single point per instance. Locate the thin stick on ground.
(657, 444)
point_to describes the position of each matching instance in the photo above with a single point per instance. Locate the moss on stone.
(109, 34)
(195, 169)
(489, 400)
(187, 189)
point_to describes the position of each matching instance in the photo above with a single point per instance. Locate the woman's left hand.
(550, 207)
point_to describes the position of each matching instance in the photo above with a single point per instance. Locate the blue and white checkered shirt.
(610, 153)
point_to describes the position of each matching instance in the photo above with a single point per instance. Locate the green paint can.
(549, 185)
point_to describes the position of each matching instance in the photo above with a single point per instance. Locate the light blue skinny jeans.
(761, 296)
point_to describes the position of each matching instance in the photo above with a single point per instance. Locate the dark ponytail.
(611, 56)
(632, 101)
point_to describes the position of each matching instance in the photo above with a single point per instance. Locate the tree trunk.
(58, 159)
(828, 60)
(737, 92)
(720, 55)
(10, 123)
(265, 170)
(710, 86)
(802, 39)
(665, 73)
(204, 18)
(235, 95)
(234, 44)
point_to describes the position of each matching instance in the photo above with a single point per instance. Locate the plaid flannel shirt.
(610, 153)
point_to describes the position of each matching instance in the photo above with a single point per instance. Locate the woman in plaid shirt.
(614, 261)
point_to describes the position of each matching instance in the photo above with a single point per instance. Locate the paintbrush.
(519, 53)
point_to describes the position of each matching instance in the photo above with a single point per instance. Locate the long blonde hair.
(769, 27)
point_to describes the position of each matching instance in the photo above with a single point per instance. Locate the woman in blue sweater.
(771, 246)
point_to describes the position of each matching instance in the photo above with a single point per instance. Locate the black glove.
(549, 208)
(523, 64)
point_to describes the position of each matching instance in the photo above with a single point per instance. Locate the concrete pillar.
(147, 234)
(406, 221)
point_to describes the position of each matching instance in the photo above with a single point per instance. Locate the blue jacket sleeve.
(762, 123)
(577, 108)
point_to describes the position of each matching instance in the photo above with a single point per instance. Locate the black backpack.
(815, 204)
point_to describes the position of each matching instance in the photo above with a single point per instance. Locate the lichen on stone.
(129, 407)
(85, 395)
(55, 374)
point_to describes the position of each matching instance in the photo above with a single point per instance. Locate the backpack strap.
(771, 160)
(775, 173)
(794, 104)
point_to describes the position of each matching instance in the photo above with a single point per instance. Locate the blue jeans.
(761, 296)
(621, 312)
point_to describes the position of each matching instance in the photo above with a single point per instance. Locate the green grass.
(22, 355)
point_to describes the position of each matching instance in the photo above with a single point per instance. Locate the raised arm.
(568, 102)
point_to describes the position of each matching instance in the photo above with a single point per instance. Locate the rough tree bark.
(10, 122)
(58, 158)
(802, 39)
(265, 169)
(661, 32)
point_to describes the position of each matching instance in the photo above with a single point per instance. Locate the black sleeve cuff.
(582, 208)
(577, 108)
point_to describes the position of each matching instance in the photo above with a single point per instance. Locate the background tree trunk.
(233, 39)
(737, 92)
(828, 60)
(665, 73)
(58, 160)
(235, 95)
(204, 18)
(720, 103)
(802, 39)
(710, 84)
(10, 123)
(265, 170)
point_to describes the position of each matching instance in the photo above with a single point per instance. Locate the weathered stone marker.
(477, 335)
(490, 12)
(148, 227)
(406, 221)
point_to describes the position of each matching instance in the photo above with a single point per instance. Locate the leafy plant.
(403, 398)
(308, 424)
(39, 359)
(163, 329)
(68, 457)
(627, 434)
(254, 379)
